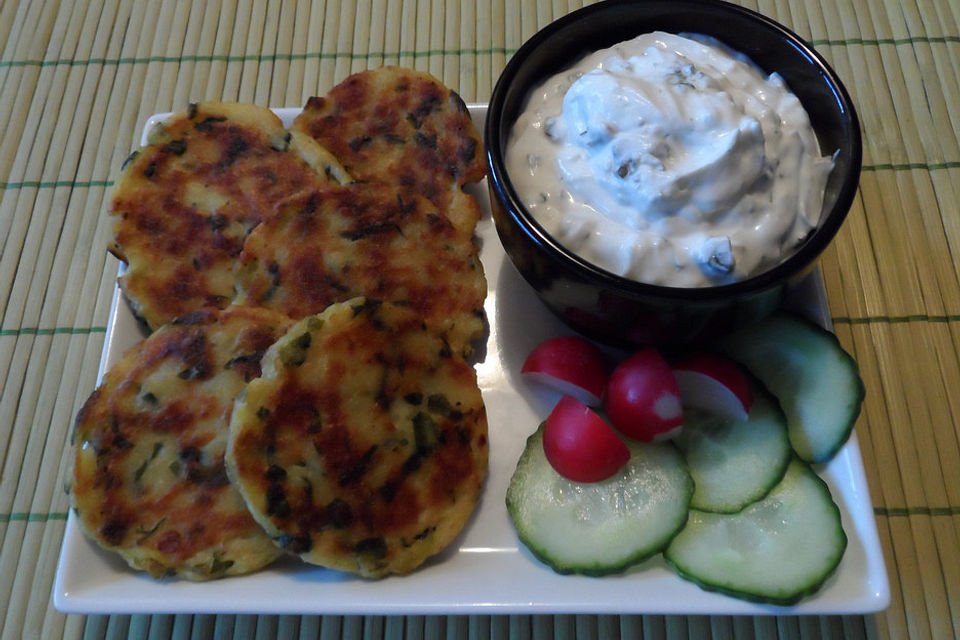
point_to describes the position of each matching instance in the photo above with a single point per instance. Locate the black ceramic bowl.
(619, 310)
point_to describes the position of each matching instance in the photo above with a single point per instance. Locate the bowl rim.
(797, 263)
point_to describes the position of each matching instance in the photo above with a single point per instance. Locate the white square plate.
(485, 570)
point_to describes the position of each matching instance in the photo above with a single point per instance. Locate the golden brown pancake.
(403, 128)
(363, 447)
(149, 480)
(328, 246)
(184, 203)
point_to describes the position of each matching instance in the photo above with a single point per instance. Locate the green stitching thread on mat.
(289, 57)
(34, 331)
(908, 166)
(258, 57)
(873, 42)
(919, 317)
(38, 184)
(20, 516)
(916, 511)
(78, 184)
(890, 512)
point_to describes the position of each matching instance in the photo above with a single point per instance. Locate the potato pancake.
(369, 240)
(184, 203)
(149, 480)
(363, 447)
(404, 128)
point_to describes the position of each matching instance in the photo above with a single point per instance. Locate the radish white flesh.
(713, 383)
(571, 365)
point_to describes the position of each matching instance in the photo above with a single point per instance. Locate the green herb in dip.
(670, 160)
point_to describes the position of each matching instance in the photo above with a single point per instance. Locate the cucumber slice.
(601, 527)
(777, 550)
(815, 380)
(735, 462)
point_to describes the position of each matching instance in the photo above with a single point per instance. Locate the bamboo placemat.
(78, 80)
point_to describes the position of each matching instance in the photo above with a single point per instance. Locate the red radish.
(713, 383)
(580, 445)
(642, 398)
(570, 365)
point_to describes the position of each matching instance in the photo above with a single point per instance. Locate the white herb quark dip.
(670, 160)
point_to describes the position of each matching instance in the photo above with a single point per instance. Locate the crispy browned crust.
(149, 480)
(363, 447)
(184, 204)
(404, 128)
(366, 240)
(224, 201)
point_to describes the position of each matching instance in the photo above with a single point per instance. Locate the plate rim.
(68, 597)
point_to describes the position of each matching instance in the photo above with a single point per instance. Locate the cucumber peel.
(734, 506)
(776, 551)
(601, 527)
(735, 462)
(815, 380)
